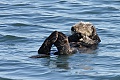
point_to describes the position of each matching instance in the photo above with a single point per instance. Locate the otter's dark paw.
(75, 37)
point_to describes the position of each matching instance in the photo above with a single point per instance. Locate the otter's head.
(85, 29)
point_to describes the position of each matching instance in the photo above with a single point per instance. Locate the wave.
(19, 24)
(22, 4)
(5, 78)
(4, 38)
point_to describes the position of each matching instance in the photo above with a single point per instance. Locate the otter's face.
(85, 28)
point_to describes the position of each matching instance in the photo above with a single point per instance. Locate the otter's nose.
(72, 29)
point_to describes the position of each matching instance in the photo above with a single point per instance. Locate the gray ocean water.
(24, 25)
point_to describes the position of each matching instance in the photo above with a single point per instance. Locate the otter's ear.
(94, 31)
(94, 35)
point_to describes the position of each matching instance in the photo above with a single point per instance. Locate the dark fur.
(68, 45)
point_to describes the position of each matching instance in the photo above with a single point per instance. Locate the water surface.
(24, 25)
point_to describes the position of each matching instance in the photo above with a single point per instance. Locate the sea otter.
(83, 38)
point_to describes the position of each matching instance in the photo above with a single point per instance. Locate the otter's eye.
(72, 29)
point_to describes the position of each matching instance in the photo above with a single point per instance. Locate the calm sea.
(24, 25)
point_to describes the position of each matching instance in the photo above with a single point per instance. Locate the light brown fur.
(84, 37)
(87, 31)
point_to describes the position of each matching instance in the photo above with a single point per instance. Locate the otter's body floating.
(84, 37)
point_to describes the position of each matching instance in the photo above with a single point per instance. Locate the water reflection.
(60, 62)
(78, 60)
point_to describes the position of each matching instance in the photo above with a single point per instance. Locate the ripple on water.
(19, 24)
(24, 25)
(6, 38)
